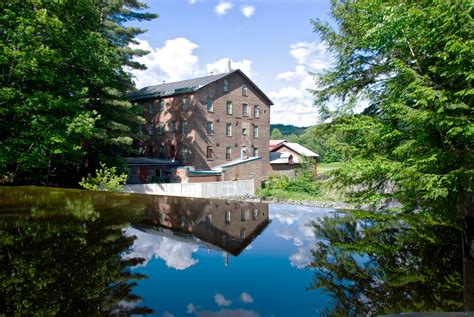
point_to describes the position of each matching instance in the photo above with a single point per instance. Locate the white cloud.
(167, 314)
(247, 10)
(221, 301)
(246, 298)
(174, 61)
(190, 309)
(312, 54)
(293, 103)
(302, 258)
(291, 224)
(192, 1)
(223, 7)
(221, 66)
(176, 254)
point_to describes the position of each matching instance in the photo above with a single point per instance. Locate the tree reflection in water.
(64, 260)
(376, 263)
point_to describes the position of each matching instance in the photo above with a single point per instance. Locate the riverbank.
(309, 203)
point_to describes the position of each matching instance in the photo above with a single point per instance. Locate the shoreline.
(307, 203)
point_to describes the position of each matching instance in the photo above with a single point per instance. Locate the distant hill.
(287, 129)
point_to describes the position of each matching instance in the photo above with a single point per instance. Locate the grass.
(280, 187)
(324, 168)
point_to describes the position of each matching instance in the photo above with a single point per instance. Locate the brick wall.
(196, 139)
(251, 170)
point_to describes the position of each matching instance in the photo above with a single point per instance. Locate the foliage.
(62, 79)
(287, 129)
(412, 62)
(276, 134)
(105, 179)
(324, 140)
(302, 186)
(388, 262)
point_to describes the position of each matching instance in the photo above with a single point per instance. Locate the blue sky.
(272, 41)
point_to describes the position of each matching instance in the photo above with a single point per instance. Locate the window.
(162, 106)
(243, 233)
(161, 151)
(210, 128)
(228, 151)
(151, 107)
(255, 152)
(209, 152)
(245, 91)
(255, 214)
(172, 151)
(244, 128)
(151, 129)
(245, 110)
(140, 130)
(150, 150)
(244, 215)
(228, 129)
(227, 217)
(184, 127)
(184, 153)
(228, 107)
(255, 132)
(256, 112)
(162, 128)
(159, 173)
(210, 104)
(185, 105)
(226, 85)
(209, 218)
(173, 127)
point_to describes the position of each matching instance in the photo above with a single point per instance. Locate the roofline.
(279, 146)
(194, 89)
(270, 102)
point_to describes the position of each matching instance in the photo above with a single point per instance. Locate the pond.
(73, 252)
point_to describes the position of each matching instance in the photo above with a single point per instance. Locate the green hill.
(287, 129)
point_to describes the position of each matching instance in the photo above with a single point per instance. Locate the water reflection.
(173, 229)
(388, 263)
(70, 252)
(73, 252)
(58, 255)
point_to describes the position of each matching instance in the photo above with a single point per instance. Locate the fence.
(204, 190)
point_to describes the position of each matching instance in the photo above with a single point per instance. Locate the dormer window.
(226, 85)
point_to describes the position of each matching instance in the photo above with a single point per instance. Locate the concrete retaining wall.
(204, 190)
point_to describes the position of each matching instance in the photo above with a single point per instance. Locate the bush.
(302, 183)
(106, 179)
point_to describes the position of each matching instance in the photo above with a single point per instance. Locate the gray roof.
(130, 161)
(186, 86)
(236, 162)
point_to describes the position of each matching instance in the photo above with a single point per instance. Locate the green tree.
(324, 140)
(61, 81)
(412, 61)
(381, 263)
(276, 134)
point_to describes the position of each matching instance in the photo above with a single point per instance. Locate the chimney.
(229, 65)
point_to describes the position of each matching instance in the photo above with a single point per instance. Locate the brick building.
(206, 123)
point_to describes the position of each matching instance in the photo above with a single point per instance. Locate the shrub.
(105, 179)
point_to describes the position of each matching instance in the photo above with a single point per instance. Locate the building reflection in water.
(222, 225)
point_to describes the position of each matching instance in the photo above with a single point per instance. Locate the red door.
(143, 174)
